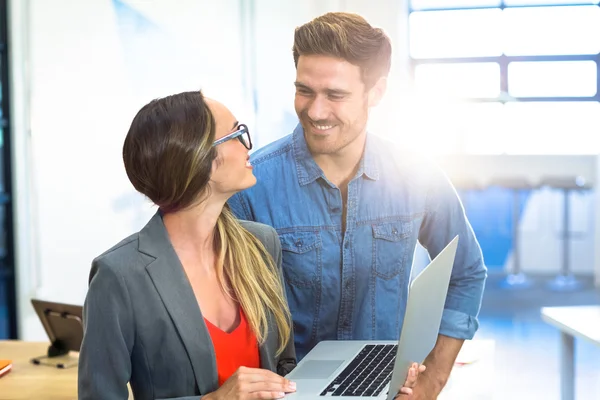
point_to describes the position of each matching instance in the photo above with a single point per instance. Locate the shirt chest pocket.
(301, 257)
(391, 242)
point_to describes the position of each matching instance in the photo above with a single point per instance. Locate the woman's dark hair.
(168, 150)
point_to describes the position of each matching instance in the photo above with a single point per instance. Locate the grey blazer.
(142, 323)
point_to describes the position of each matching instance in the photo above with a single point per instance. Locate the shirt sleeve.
(444, 219)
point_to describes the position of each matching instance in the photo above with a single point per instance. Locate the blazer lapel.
(176, 293)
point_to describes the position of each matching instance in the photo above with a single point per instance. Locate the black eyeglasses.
(242, 134)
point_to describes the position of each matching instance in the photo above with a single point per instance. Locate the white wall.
(81, 72)
(91, 66)
(274, 24)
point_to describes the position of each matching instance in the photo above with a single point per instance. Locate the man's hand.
(425, 390)
(439, 366)
(411, 381)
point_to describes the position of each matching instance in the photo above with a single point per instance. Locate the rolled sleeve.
(458, 325)
(444, 219)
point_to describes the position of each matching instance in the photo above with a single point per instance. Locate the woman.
(192, 305)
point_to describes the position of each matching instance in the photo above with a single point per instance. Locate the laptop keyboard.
(368, 373)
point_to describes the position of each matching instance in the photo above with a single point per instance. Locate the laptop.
(378, 369)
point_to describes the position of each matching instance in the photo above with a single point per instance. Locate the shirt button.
(347, 244)
(394, 231)
(298, 243)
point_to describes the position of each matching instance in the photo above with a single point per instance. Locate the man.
(350, 207)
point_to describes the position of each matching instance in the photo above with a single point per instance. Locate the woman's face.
(231, 171)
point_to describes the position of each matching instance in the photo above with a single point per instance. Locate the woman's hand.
(252, 383)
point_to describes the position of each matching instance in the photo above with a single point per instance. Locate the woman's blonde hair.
(257, 286)
(168, 156)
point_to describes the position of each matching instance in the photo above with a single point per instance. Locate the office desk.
(573, 322)
(27, 381)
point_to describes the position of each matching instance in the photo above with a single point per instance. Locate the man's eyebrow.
(301, 85)
(338, 91)
(328, 91)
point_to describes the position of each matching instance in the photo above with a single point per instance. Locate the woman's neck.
(192, 232)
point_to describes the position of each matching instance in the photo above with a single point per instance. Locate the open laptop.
(378, 369)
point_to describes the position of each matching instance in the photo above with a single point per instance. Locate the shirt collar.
(369, 165)
(307, 169)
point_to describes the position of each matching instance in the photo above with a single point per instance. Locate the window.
(447, 34)
(522, 73)
(553, 79)
(459, 80)
(443, 127)
(542, 127)
(551, 30)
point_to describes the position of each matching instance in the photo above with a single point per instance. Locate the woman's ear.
(215, 164)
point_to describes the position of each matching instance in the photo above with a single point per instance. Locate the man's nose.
(318, 110)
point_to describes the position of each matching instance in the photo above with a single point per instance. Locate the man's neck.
(340, 167)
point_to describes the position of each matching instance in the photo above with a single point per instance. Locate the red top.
(239, 348)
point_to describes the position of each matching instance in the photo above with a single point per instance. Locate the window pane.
(514, 128)
(442, 34)
(552, 30)
(481, 128)
(552, 79)
(458, 80)
(552, 128)
(546, 2)
(435, 126)
(429, 4)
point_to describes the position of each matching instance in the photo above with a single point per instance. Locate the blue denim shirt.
(354, 285)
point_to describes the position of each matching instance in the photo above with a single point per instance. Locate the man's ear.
(377, 91)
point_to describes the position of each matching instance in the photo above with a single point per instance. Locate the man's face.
(332, 102)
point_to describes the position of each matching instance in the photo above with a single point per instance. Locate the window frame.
(504, 60)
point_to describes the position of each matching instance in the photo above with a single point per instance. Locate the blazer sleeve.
(287, 359)
(108, 326)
